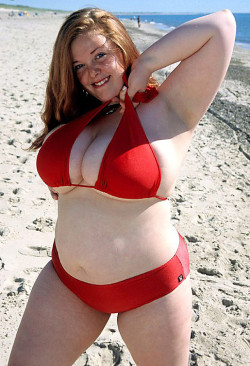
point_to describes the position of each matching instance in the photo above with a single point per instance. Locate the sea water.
(170, 21)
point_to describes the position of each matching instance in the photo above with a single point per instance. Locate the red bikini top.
(129, 168)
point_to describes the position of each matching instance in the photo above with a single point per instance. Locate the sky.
(165, 6)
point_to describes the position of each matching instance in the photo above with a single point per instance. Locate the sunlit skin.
(103, 239)
(98, 65)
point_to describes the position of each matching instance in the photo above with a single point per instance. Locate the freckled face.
(98, 65)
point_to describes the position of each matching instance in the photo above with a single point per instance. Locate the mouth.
(100, 83)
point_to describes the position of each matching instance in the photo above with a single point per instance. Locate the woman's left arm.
(204, 47)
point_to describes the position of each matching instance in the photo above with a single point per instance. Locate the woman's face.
(98, 65)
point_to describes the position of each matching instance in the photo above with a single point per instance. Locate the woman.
(112, 165)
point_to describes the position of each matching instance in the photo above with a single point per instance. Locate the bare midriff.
(102, 239)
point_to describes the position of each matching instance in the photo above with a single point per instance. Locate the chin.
(107, 97)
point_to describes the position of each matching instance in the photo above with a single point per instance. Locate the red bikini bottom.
(132, 292)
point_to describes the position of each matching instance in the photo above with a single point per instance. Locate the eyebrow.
(97, 48)
(75, 62)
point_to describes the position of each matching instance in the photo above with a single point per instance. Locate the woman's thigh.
(56, 326)
(158, 333)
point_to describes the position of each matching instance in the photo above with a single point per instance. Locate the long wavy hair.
(65, 99)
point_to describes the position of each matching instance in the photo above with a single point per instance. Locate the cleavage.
(90, 147)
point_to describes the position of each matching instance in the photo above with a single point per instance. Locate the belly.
(103, 240)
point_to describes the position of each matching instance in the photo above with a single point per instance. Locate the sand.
(210, 203)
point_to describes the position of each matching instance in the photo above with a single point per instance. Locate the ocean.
(170, 21)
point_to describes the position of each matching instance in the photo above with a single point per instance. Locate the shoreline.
(209, 203)
(167, 28)
(245, 46)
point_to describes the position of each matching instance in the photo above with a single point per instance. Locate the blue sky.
(185, 6)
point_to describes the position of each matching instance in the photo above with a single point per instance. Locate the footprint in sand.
(39, 201)
(112, 351)
(36, 251)
(227, 302)
(4, 231)
(26, 130)
(11, 142)
(196, 312)
(32, 270)
(17, 286)
(16, 190)
(2, 264)
(194, 358)
(23, 160)
(21, 285)
(209, 272)
(192, 239)
(42, 224)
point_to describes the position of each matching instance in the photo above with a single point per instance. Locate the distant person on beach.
(112, 147)
(139, 21)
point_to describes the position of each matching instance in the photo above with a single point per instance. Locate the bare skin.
(53, 338)
(94, 230)
(170, 343)
(56, 327)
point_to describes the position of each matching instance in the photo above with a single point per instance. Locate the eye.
(78, 67)
(100, 55)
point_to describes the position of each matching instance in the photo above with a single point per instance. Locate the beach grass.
(29, 8)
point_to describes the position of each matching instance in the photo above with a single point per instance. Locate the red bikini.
(133, 292)
(129, 169)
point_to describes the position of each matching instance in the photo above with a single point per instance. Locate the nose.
(93, 70)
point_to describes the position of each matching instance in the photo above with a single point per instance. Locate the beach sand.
(210, 203)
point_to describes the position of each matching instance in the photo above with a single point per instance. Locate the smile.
(101, 82)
